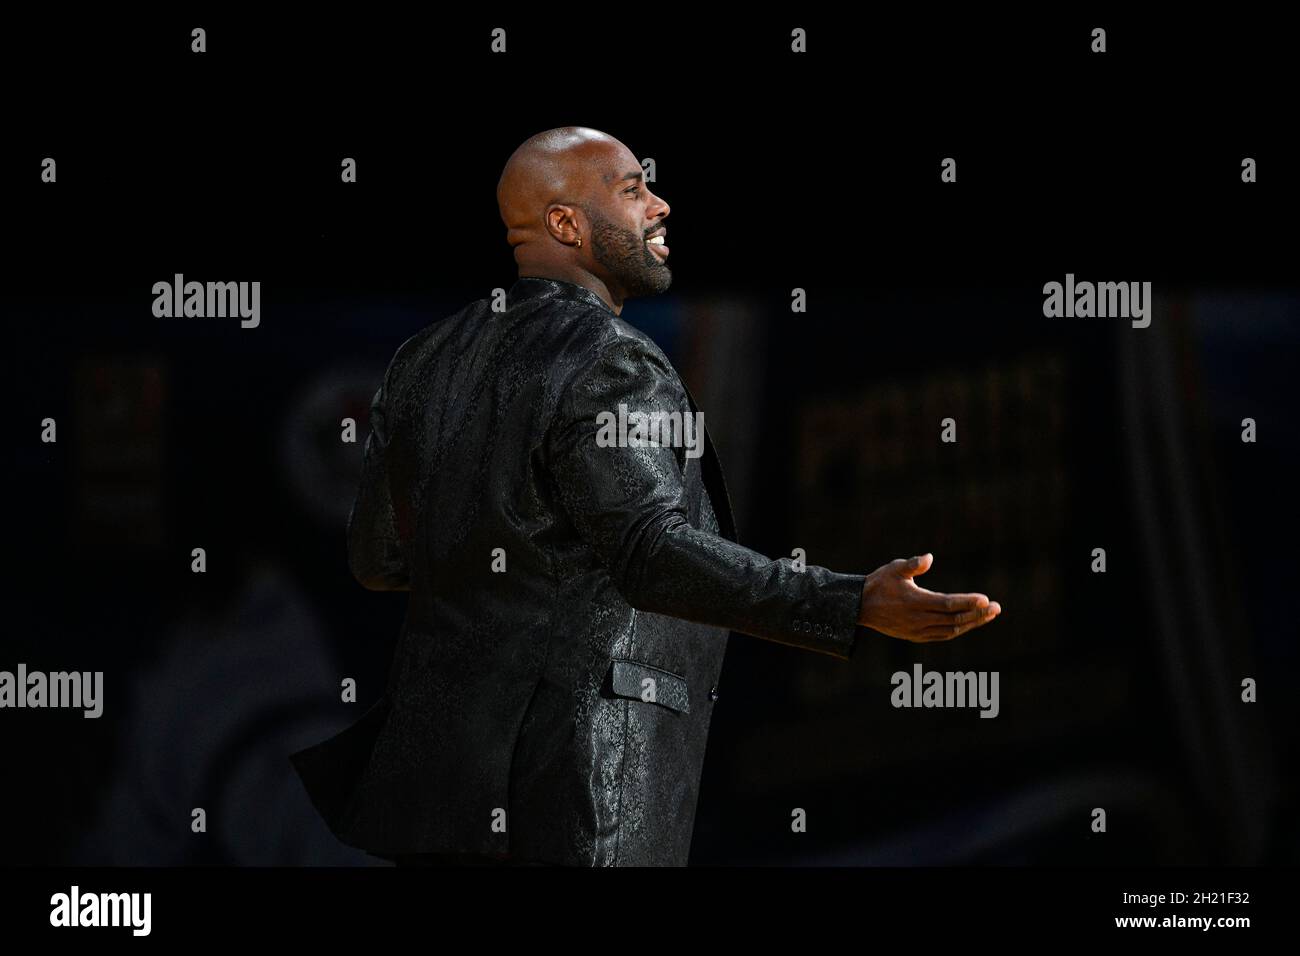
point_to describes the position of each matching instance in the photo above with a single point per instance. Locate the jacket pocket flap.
(636, 679)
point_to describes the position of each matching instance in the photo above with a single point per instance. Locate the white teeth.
(658, 240)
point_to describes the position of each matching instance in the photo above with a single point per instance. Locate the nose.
(658, 209)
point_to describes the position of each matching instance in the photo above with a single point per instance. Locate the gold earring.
(580, 242)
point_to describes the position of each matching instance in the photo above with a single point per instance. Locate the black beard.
(624, 253)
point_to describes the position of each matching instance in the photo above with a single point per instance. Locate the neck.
(578, 276)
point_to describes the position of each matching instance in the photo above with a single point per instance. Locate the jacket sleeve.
(629, 504)
(374, 551)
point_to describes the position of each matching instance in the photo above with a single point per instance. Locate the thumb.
(918, 565)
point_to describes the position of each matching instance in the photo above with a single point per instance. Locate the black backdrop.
(818, 171)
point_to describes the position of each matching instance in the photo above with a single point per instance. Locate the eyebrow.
(636, 175)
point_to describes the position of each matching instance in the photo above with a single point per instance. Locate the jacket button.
(713, 692)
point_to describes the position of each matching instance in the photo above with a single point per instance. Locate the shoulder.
(608, 363)
(597, 341)
(410, 355)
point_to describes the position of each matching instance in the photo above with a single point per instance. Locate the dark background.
(818, 171)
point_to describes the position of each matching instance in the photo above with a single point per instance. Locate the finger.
(973, 615)
(917, 565)
(940, 632)
(982, 615)
(949, 618)
(944, 618)
(946, 632)
(950, 603)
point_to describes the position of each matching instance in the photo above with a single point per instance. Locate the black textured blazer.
(569, 605)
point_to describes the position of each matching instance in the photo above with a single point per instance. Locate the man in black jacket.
(571, 588)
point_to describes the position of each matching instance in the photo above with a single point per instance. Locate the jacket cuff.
(828, 621)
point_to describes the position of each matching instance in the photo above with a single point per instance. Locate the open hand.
(893, 605)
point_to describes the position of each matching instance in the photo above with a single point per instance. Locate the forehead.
(613, 162)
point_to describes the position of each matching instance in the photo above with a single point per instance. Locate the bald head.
(576, 207)
(556, 166)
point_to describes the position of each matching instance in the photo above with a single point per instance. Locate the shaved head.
(576, 207)
(551, 167)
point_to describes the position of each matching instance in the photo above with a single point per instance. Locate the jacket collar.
(539, 287)
(535, 287)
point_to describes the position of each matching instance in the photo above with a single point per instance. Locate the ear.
(566, 224)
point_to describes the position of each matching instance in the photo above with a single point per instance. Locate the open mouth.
(658, 245)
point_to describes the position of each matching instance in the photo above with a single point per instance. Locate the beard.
(624, 253)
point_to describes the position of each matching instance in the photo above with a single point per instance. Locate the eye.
(634, 189)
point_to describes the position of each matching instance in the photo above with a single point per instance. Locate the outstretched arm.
(629, 503)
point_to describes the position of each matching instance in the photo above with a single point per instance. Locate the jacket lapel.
(714, 482)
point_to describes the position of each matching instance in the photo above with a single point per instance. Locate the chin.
(652, 284)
